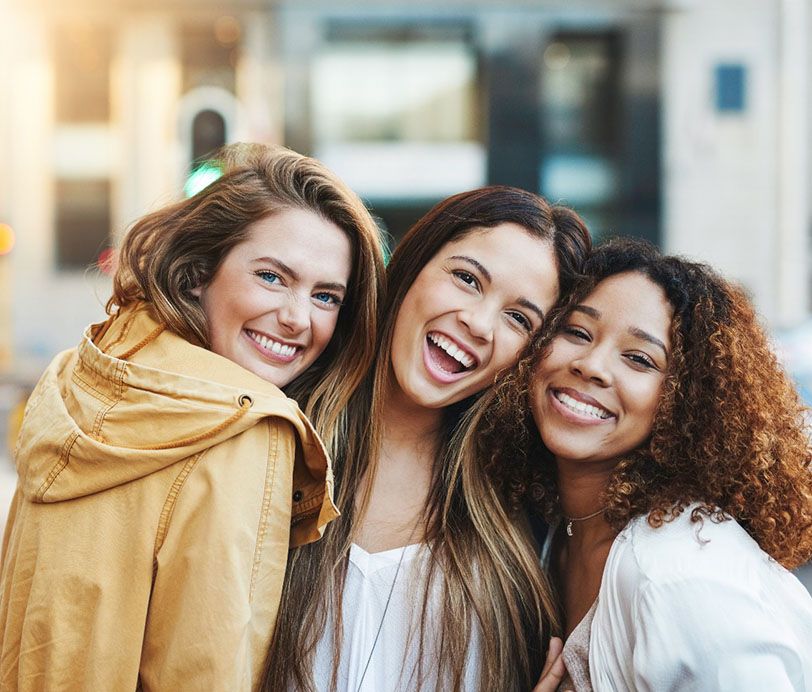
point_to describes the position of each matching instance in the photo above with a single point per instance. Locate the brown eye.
(466, 277)
(641, 360)
(576, 333)
(522, 320)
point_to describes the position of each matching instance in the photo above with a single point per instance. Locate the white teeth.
(581, 407)
(271, 345)
(452, 350)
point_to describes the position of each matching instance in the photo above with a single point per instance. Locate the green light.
(201, 177)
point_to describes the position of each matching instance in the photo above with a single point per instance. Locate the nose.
(479, 320)
(593, 366)
(294, 315)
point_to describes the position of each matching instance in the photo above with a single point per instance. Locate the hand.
(554, 670)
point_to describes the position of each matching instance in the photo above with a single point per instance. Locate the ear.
(197, 291)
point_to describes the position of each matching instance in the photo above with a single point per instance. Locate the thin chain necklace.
(572, 520)
(386, 605)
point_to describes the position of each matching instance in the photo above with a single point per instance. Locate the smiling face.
(469, 312)
(273, 304)
(594, 396)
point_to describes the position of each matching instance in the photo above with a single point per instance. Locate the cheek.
(324, 326)
(648, 399)
(507, 351)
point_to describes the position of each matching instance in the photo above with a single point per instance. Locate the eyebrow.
(634, 331)
(285, 269)
(478, 265)
(645, 336)
(531, 306)
(524, 302)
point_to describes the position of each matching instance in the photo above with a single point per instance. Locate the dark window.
(82, 221)
(208, 134)
(580, 130)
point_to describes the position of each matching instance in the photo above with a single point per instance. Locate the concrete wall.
(735, 185)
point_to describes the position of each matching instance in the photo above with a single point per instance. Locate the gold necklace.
(571, 520)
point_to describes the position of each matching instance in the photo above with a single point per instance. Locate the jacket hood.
(134, 398)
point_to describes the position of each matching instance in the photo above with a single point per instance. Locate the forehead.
(632, 300)
(521, 263)
(502, 245)
(301, 237)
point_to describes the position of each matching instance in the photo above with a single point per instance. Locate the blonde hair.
(168, 253)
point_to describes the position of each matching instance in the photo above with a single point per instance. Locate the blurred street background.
(686, 122)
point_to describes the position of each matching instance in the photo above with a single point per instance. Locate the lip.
(435, 371)
(573, 416)
(269, 355)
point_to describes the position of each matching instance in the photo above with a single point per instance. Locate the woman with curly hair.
(657, 433)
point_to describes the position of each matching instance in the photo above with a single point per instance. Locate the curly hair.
(729, 432)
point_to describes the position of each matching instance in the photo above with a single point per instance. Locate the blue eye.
(327, 298)
(268, 276)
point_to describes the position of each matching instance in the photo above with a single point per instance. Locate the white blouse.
(392, 662)
(698, 607)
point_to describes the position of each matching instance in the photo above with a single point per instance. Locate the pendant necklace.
(572, 520)
(386, 605)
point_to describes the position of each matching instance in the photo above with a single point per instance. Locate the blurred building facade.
(682, 121)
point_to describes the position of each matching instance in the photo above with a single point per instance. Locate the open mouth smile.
(277, 350)
(445, 359)
(581, 408)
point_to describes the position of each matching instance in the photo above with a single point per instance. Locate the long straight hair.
(168, 253)
(477, 548)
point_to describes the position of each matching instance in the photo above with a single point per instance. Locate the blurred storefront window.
(396, 111)
(82, 143)
(580, 125)
(82, 221)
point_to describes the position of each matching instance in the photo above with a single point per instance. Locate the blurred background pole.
(6, 327)
(6, 339)
(793, 256)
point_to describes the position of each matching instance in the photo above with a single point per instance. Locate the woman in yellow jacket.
(163, 473)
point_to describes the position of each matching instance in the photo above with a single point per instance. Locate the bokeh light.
(201, 177)
(108, 261)
(6, 238)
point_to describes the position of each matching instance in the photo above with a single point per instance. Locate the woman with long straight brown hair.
(164, 472)
(421, 585)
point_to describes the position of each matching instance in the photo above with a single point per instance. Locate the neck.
(396, 492)
(581, 488)
(409, 428)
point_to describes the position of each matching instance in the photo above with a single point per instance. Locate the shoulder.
(696, 599)
(689, 546)
(704, 561)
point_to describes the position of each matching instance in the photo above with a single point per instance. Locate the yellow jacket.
(160, 487)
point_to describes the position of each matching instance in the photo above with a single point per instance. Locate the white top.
(393, 665)
(688, 608)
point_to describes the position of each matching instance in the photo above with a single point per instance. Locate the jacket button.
(297, 495)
